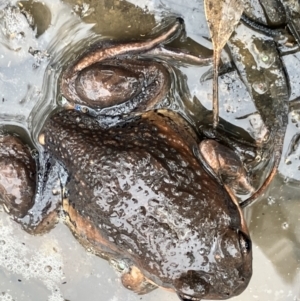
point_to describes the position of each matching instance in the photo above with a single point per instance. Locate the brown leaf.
(222, 17)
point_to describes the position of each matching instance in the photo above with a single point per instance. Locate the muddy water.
(55, 266)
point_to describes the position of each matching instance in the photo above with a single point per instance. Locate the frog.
(145, 192)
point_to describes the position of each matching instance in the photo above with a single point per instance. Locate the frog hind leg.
(136, 281)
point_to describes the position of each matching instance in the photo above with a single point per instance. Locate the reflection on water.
(55, 266)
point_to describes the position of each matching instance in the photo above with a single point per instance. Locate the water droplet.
(2, 242)
(55, 192)
(48, 268)
(285, 226)
(202, 251)
(260, 87)
(271, 200)
(258, 158)
(121, 266)
(225, 276)
(218, 257)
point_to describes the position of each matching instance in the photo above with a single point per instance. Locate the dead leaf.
(222, 17)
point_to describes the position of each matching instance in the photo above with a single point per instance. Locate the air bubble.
(218, 257)
(121, 266)
(264, 58)
(55, 192)
(260, 87)
(258, 158)
(202, 251)
(6, 297)
(286, 180)
(48, 268)
(271, 200)
(285, 226)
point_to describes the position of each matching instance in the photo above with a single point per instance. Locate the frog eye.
(245, 243)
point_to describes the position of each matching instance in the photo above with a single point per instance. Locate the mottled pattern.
(141, 186)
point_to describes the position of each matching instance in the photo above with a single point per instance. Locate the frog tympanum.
(142, 193)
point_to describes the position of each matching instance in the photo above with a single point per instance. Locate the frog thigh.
(225, 165)
(136, 281)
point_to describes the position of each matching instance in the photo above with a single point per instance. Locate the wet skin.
(142, 192)
(17, 176)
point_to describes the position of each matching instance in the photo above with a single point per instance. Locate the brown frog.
(144, 192)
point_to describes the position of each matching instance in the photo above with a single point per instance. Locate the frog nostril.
(245, 243)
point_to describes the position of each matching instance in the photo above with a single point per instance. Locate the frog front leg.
(226, 166)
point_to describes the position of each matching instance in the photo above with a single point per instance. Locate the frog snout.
(229, 273)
